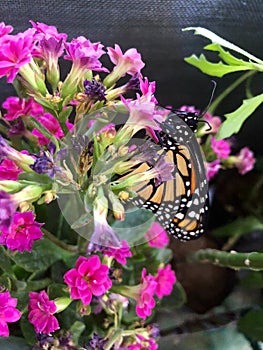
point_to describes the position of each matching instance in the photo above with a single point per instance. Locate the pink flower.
(17, 107)
(145, 301)
(9, 170)
(221, 148)
(90, 277)
(22, 233)
(8, 312)
(189, 109)
(157, 236)
(142, 114)
(103, 234)
(129, 62)
(51, 124)
(214, 122)
(119, 254)
(49, 47)
(212, 168)
(43, 30)
(5, 29)
(8, 206)
(85, 54)
(165, 279)
(148, 89)
(41, 313)
(245, 160)
(15, 53)
(143, 343)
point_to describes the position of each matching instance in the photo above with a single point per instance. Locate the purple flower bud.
(7, 208)
(94, 89)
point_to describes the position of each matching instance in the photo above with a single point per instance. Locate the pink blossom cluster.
(218, 153)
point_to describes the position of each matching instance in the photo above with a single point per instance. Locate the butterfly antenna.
(210, 100)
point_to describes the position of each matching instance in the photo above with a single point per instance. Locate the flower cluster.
(77, 138)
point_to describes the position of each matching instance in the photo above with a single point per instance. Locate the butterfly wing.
(179, 204)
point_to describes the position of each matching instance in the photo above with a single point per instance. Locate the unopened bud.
(124, 195)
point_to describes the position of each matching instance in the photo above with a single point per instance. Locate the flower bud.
(62, 303)
(117, 207)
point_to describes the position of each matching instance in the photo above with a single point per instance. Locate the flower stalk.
(234, 260)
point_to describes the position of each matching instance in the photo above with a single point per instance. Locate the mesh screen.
(154, 28)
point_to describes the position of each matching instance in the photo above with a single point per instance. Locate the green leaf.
(42, 256)
(228, 58)
(218, 40)
(13, 343)
(76, 329)
(239, 227)
(27, 330)
(32, 178)
(65, 113)
(235, 120)
(176, 299)
(252, 324)
(222, 338)
(5, 262)
(215, 69)
(253, 280)
(134, 226)
(164, 255)
(37, 285)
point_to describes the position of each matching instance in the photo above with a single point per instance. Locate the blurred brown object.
(206, 285)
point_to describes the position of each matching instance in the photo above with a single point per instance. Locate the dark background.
(154, 28)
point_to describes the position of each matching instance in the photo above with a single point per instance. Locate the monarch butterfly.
(178, 204)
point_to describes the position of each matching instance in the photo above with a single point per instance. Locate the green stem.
(232, 259)
(55, 240)
(113, 339)
(228, 90)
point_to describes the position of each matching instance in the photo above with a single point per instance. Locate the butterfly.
(180, 204)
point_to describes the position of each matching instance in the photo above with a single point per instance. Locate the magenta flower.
(165, 279)
(189, 109)
(221, 148)
(43, 30)
(41, 313)
(8, 312)
(143, 343)
(103, 235)
(51, 124)
(50, 46)
(148, 89)
(5, 29)
(89, 278)
(245, 160)
(8, 207)
(157, 236)
(213, 121)
(9, 170)
(22, 233)
(119, 254)
(20, 158)
(15, 53)
(129, 62)
(144, 299)
(212, 168)
(17, 107)
(142, 114)
(163, 170)
(85, 54)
